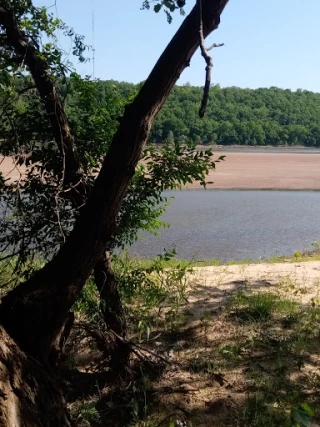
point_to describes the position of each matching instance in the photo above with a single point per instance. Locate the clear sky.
(267, 42)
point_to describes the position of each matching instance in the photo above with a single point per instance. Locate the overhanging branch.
(208, 59)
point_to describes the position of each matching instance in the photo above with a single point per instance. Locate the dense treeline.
(234, 116)
(238, 116)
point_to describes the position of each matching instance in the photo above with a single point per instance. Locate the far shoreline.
(264, 170)
(260, 168)
(305, 190)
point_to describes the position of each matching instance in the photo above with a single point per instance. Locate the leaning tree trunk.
(34, 314)
(24, 47)
(111, 305)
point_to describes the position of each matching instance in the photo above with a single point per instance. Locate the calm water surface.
(229, 224)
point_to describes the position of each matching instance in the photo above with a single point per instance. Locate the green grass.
(261, 306)
(175, 262)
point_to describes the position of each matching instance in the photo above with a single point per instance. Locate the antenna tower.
(93, 39)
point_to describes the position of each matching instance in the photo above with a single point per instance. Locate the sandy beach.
(281, 171)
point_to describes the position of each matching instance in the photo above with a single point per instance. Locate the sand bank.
(282, 171)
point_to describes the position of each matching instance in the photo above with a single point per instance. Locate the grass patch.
(260, 307)
(312, 255)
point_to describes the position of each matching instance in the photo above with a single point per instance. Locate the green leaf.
(306, 408)
(157, 7)
(302, 415)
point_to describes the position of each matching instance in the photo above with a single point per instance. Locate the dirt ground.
(285, 171)
(242, 352)
(228, 279)
(236, 371)
(9, 169)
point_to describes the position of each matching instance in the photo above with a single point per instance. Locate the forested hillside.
(234, 116)
(238, 116)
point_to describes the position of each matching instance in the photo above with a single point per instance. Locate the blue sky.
(267, 43)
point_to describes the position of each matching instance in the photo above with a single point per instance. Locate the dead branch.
(215, 45)
(133, 344)
(208, 59)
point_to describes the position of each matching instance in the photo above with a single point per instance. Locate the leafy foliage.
(238, 116)
(168, 6)
(167, 167)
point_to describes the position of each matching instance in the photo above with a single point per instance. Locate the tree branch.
(26, 89)
(214, 45)
(208, 59)
(25, 48)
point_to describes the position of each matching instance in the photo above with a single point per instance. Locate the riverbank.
(281, 169)
(304, 257)
(265, 171)
(227, 345)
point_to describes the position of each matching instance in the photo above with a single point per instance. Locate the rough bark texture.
(28, 54)
(35, 312)
(112, 310)
(29, 397)
(111, 305)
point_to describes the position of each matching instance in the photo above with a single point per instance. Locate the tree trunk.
(112, 310)
(111, 305)
(35, 312)
(29, 396)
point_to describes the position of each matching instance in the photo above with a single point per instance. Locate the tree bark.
(34, 313)
(28, 395)
(112, 311)
(28, 54)
(111, 305)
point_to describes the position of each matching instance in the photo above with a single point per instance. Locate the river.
(235, 225)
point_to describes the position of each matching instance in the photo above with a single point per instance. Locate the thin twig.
(133, 344)
(215, 45)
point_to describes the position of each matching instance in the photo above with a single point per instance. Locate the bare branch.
(215, 45)
(208, 59)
